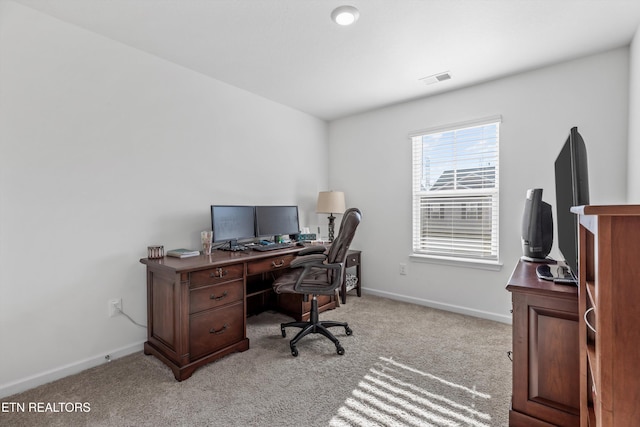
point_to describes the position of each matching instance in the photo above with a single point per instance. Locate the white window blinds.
(455, 191)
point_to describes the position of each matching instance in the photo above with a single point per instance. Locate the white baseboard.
(441, 306)
(73, 368)
(66, 370)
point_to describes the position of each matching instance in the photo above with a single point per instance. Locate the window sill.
(483, 265)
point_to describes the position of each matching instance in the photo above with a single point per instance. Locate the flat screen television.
(537, 227)
(572, 189)
(232, 223)
(276, 220)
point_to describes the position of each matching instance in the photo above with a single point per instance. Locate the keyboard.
(272, 247)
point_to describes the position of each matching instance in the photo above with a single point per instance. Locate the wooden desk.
(545, 351)
(197, 307)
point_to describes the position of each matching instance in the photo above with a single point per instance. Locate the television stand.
(546, 369)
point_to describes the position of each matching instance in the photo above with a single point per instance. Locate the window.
(455, 191)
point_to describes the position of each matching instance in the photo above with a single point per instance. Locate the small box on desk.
(306, 237)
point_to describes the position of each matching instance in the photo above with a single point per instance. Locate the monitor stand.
(233, 246)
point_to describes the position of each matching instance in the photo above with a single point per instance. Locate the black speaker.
(537, 227)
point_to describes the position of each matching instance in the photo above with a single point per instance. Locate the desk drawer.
(269, 264)
(352, 260)
(215, 329)
(216, 275)
(206, 297)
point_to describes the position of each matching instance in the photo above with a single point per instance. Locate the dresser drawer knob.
(219, 273)
(278, 265)
(219, 331)
(213, 296)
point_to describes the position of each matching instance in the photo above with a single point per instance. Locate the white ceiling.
(290, 51)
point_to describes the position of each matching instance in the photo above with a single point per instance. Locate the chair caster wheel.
(339, 350)
(294, 352)
(283, 332)
(348, 331)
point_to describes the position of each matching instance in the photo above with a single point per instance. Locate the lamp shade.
(330, 202)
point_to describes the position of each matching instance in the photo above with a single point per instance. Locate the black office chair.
(314, 272)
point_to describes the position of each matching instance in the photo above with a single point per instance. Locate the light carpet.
(404, 365)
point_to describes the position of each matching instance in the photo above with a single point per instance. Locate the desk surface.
(216, 259)
(524, 279)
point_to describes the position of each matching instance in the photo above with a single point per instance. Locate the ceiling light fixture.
(345, 15)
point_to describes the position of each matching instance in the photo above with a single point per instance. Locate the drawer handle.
(213, 296)
(219, 331)
(219, 273)
(586, 313)
(273, 264)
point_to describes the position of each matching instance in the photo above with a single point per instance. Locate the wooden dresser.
(609, 315)
(197, 307)
(545, 351)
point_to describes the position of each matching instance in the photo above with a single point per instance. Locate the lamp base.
(331, 227)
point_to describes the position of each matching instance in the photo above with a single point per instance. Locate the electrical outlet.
(115, 306)
(403, 269)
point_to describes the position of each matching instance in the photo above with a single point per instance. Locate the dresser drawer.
(216, 275)
(269, 264)
(215, 329)
(206, 297)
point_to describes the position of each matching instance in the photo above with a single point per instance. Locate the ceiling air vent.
(435, 78)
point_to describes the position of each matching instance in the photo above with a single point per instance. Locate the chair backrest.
(340, 246)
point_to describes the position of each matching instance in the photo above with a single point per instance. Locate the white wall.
(633, 192)
(371, 159)
(95, 138)
(104, 151)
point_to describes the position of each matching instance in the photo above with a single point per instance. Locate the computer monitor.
(537, 227)
(276, 220)
(572, 189)
(232, 223)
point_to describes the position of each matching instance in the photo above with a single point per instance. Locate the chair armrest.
(304, 285)
(312, 250)
(316, 259)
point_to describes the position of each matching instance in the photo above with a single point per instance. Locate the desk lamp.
(331, 202)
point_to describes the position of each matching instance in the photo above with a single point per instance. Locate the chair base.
(314, 326)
